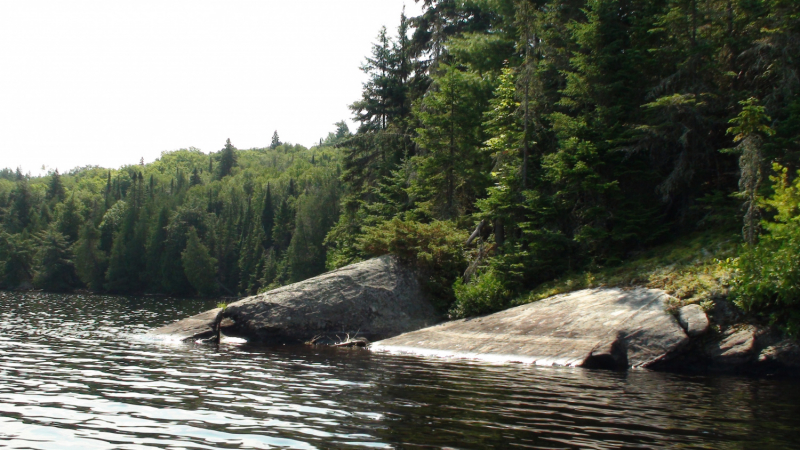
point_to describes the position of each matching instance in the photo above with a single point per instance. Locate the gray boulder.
(595, 328)
(375, 299)
(693, 319)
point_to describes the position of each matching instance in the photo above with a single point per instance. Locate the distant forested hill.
(229, 223)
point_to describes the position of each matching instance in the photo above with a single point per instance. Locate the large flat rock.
(610, 328)
(375, 299)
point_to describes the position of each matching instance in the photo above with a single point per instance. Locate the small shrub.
(766, 277)
(486, 294)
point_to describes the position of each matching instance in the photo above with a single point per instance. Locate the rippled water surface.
(78, 372)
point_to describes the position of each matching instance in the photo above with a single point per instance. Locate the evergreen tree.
(21, 205)
(69, 220)
(109, 190)
(175, 280)
(195, 180)
(373, 109)
(451, 171)
(749, 127)
(227, 160)
(316, 213)
(276, 141)
(55, 190)
(267, 218)
(155, 251)
(126, 261)
(91, 263)
(282, 231)
(55, 268)
(16, 260)
(199, 266)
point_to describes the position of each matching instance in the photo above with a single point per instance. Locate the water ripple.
(79, 372)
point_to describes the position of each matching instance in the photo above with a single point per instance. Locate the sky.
(109, 82)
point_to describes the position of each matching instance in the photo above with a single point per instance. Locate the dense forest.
(501, 144)
(230, 223)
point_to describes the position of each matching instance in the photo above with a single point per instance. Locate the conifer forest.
(501, 144)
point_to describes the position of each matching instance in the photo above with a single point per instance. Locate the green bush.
(435, 249)
(486, 294)
(767, 275)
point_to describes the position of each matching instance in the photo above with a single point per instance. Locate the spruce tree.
(267, 218)
(16, 260)
(155, 251)
(451, 172)
(195, 179)
(276, 141)
(55, 269)
(55, 190)
(21, 205)
(198, 264)
(69, 220)
(227, 160)
(90, 262)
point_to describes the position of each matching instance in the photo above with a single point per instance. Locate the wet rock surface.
(375, 299)
(596, 328)
(199, 326)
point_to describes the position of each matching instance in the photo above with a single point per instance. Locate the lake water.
(78, 372)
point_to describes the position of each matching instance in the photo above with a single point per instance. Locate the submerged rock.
(595, 328)
(200, 326)
(375, 299)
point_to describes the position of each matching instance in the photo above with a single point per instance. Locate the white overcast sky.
(108, 82)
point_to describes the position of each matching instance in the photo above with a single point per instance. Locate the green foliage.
(55, 190)
(484, 295)
(317, 211)
(435, 250)
(128, 227)
(55, 268)
(16, 260)
(276, 141)
(451, 172)
(199, 265)
(767, 274)
(227, 160)
(126, 262)
(91, 263)
(69, 219)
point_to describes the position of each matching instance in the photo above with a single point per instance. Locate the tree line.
(233, 222)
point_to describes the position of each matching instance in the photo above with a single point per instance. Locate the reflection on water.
(78, 372)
